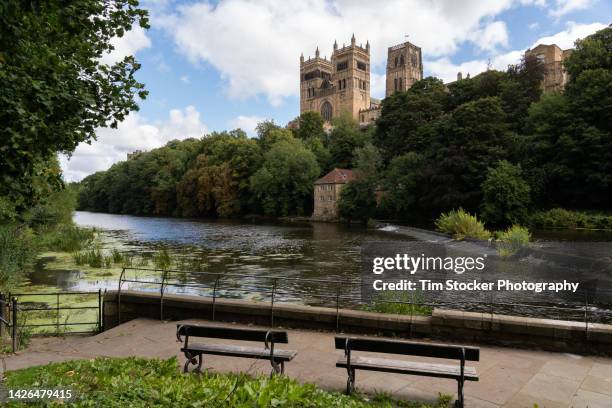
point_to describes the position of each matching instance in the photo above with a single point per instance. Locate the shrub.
(398, 303)
(17, 251)
(162, 259)
(138, 382)
(566, 219)
(461, 224)
(66, 237)
(117, 255)
(512, 240)
(506, 195)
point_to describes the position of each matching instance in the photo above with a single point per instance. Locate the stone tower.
(404, 67)
(341, 84)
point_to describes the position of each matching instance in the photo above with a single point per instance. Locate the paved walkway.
(509, 377)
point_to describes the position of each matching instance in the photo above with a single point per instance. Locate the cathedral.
(342, 83)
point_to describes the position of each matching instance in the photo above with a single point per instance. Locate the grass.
(66, 237)
(137, 382)
(512, 240)
(461, 224)
(398, 303)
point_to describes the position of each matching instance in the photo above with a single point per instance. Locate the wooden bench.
(458, 372)
(193, 351)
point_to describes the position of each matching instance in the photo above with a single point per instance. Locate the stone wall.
(446, 325)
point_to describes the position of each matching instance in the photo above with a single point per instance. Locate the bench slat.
(240, 351)
(231, 333)
(413, 348)
(409, 367)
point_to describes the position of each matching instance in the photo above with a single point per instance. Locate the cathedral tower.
(404, 67)
(340, 84)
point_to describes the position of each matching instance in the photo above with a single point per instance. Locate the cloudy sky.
(216, 65)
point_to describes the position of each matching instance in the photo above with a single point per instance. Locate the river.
(310, 261)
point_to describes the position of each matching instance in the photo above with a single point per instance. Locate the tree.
(284, 183)
(310, 126)
(401, 182)
(505, 195)
(56, 91)
(406, 118)
(357, 201)
(471, 139)
(343, 140)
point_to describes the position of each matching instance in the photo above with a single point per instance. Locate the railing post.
(14, 322)
(57, 313)
(337, 308)
(215, 297)
(161, 298)
(586, 314)
(99, 310)
(272, 303)
(119, 296)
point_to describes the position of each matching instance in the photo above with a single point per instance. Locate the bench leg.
(350, 382)
(191, 359)
(277, 368)
(459, 402)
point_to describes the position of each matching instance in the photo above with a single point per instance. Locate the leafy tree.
(56, 91)
(284, 183)
(401, 183)
(343, 140)
(311, 126)
(471, 140)
(505, 195)
(368, 163)
(406, 118)
(357, 201)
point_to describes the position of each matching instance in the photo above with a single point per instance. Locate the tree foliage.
(56, 91)
(506, 196)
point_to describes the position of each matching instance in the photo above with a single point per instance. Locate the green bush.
(92, 257)
(506, 195)
(559, 218)
(137, 382)
(399, 303)
(461, 224)
(162, 259)
(17, 251)
(512, 240)
(66, 238)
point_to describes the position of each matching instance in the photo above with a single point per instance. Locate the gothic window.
(400, 84)
(361, 65)
(395, 84)
(344, 84)
(363, 118)
(326, 111)
(339, 84)
(396, 62)
(402, 60)
(414, 60)
(342, 66)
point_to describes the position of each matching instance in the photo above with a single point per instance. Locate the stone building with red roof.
(327, 193)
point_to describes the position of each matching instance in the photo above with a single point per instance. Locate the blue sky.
(230, 63)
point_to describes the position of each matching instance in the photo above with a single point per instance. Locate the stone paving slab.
(509, 378)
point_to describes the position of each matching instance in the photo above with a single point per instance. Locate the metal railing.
(337, 294)
(15, 312)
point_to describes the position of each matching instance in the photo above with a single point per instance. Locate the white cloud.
(445, 69)
(185, 79)
(533, 26)
(246, 123)
(255, 45)
(134, 133)
(563, 7)
(132, 41)
(566, 38)
(490, 36)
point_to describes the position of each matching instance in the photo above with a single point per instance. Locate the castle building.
(555, 76)
(327, 193)
(342, 83)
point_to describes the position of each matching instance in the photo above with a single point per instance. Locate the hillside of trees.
(491, 144)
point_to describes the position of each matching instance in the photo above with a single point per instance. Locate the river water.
(309, 263)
